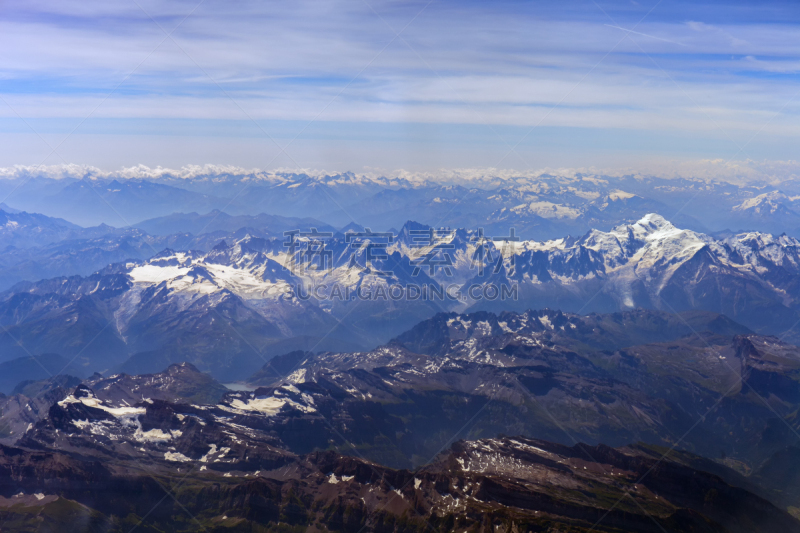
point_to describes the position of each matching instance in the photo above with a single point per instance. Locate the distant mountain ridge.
(37, 247)
(541, 207)
(261, 225)
(19, 229)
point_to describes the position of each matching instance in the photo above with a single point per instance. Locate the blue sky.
(398, 84)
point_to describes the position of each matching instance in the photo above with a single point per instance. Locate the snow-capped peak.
(770, 199)
(654, 222)
(646, 254)
(654, 227)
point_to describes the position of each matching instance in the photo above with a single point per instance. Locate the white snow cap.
(654, 221)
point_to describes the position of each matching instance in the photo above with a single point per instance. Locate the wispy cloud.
(626, 30)
(504, 64)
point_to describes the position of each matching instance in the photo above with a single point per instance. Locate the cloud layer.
(727, 73)
(737, 172)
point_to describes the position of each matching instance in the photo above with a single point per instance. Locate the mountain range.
(230, 309)
(613, 379)
(36, 246)
(311, 450)
(528, 355)
(540, 207)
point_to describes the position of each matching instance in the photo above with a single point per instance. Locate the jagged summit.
(283, 292)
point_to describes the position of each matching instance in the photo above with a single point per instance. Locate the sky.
(420, 85)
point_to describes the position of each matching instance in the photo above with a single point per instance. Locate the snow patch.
(176, 457)
(269, 406)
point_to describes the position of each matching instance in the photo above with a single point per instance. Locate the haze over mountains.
(227, 309)
(37, 246)
(197, 210)
(542, 207)
(579, 348)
